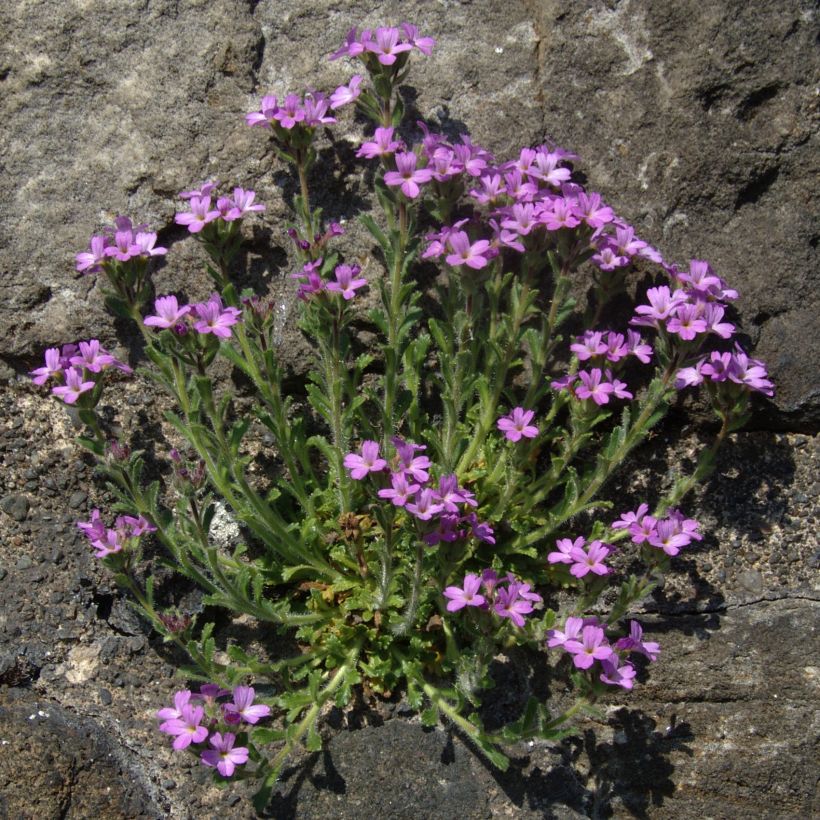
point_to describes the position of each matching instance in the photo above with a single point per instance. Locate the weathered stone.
(54, 764)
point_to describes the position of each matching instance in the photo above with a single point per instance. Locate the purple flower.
(93, 529)
(572, 631)
(92, 356)
(215, 318)
(199, 215)
(514, 601)
(480, 529)
(383, 144)
(74, 386)
(473, 255)
(181, 700)
(634, 642)
(628, 518)
(368, 462)
(467, 595)
(425, 506)
(559, 214)
(517, 424)
(113, 541)
(687, 322)
(662, 303)
(123, 247)
(591, 560)
(592, 211)
(263, 117)
(642, 352)
(144, 243)
(224, 757)
(407, 175)
(206, 189)
(186, 728)
(209, 693)
(643, 529)
(589, 345)
(315, 106)
(386, 44)
(423, 44)
(593, 388)
(53, 366)
(750, 372)
(345, 94)
(242, 204)
(689, 376)
(353, 45)
(91, 261)
(591, 647)
(408, 462)
(565, 547)
(290, 112)
(669, 537)
(242, 708)
(616, 674)
(451, 495)
(345, 283)
(168, 312)
(401, 491)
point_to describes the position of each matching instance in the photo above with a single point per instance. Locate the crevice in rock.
(756, 187)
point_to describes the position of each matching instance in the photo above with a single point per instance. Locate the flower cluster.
(297, 112)
(442, 507)
(596, 385)
(507, 598)
(211, 317)
(347, 280)
(386, 45)
(733, 367)
(111, 540)
(122, 243)
(583, 558)
(77, 368)
(586, 642)
(669, 534)
(225, 208)
(195, 718)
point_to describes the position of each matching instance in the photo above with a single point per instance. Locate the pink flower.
(517, 424)
(591, 647)
(199, 215)
(345, 283)
(186, 728)
(224, 757)
(387, 45)
(215, 318)
(383, 144)
(242, 707)
(407, 175)
(74, 386)
(565, 548)
(345, 94)
(168, 312)
(473, 255)
(91, 261)
(591, 560)
(466, 595)
(368, 462)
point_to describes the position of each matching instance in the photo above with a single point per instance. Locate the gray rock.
(79, 771)
(15, 506)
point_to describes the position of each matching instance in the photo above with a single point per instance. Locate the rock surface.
(697, 121)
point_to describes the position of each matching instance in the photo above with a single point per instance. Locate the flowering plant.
(426, 508)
